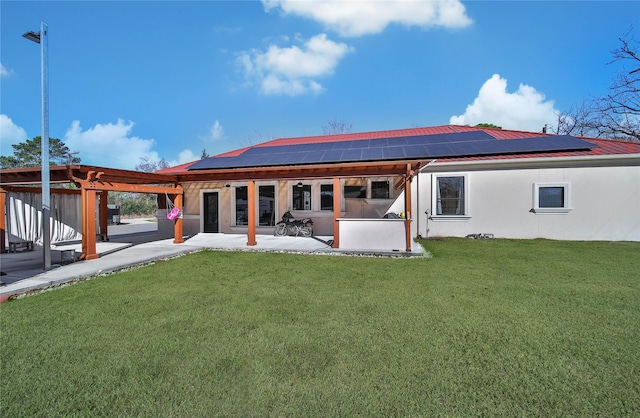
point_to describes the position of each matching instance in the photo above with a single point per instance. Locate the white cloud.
(216, 133)
(10, 134)
(526, 109)
(357, 17)
(185, 156)
(4, 71)
(293, 71)
(109, 145)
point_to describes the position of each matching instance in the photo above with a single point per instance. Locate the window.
(242, 210)
(551, 198)
(359, 192)
(379, 189)
(266, 205)
(301, 194)
(450, 196)
(326, 197)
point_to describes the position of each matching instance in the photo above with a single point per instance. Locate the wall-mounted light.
(227, 185)
(300, 184)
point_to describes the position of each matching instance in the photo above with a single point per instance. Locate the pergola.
(91, 181)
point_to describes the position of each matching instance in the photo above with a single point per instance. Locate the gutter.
(418, 199)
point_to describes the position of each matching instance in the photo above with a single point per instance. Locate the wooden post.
(251, 206)
(337, 198)
(104, 214)
(407, 208)
(89, 224)
(3, 224)
(177, 226)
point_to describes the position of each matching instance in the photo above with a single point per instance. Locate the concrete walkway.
(24, 273)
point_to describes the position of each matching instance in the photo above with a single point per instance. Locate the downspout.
(418, 203)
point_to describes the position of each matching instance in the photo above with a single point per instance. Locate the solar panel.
(352, 155)
(393, 153)
(414, 151)
(372, 154)
(332, 155)
(464, 144)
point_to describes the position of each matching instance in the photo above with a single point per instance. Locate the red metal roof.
(367, 135)
(176, 168)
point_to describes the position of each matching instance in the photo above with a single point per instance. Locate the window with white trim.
(380, 189)
(450, 195)
(551, 197)
(266, 205)
(358, 191)
(326, 197)
(241, 207)
(301, 196)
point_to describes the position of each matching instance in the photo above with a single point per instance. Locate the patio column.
(407, 208)
(104, 215)
(3, 225)
(177, 226)
(89, 224)
(251, 206)
(337, 197)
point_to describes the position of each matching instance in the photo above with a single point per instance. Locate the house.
(436, 181)
(449, 181)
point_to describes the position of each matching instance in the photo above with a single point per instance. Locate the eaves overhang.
(359, 169)
(616, 160)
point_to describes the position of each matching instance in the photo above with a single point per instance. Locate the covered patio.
(93, 183)
(343, 228)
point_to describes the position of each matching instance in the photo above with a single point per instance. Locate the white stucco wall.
(372, 234)
(605, 203)
(322, 219)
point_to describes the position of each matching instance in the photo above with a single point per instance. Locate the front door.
(211, 212)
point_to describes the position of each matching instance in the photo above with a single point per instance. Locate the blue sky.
(168, 79)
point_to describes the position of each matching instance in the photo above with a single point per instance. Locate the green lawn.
(488, 327)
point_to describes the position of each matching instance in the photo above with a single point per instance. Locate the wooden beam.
(177, 226)
(124, 187)
(382, 168)
(38, 190)
(251, 205)
(64, 174)
(337, 210)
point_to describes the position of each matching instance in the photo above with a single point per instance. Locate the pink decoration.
(175, 212)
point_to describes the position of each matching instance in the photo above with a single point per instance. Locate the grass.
(489, 327)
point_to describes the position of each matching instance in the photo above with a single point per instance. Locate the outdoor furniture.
(14, 245)
(66, 255)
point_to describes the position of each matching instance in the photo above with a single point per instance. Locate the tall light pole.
(41, 38)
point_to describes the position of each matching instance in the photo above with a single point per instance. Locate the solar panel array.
(464, 144)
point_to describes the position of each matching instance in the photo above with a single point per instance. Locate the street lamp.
(41, 38)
